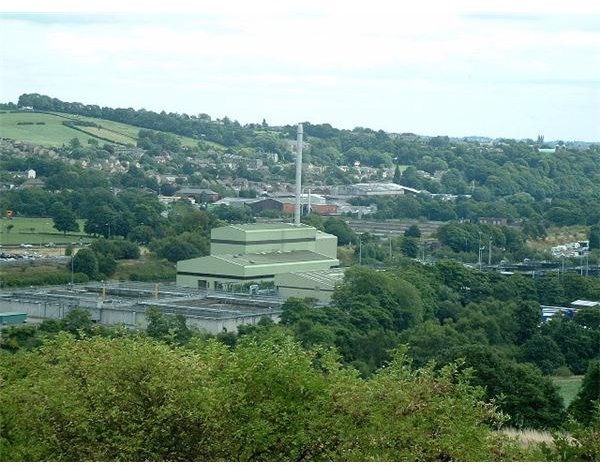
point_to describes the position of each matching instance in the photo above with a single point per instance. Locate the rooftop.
(268, 226)
(585, 303)
(268, 258)
(329, 277)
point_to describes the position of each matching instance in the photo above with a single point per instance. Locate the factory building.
(258, 253)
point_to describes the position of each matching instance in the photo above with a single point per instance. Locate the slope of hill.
(49, 129)
(37, 128)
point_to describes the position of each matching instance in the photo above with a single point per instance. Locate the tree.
(64, 219)
(85, 261)
(364, 290)
(587, 402)
(543, 352)
(550, 290)
(589, 318)
(527, 316)
(77, 321)
(102, 220)
(594, 237)
(181, 247)
(339, 228)
(413, 231)
(170, 328)
(397, 175)
(107, 265)
(313, 219)
(579, 344)
(530, 399)
(266, 400)
(409, 246)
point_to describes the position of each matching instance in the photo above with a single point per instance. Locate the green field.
(131, 132)
(36, 231)
(568, 387)
(52, 133)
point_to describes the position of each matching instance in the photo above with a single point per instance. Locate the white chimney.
(298, 174)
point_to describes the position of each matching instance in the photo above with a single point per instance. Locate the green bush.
(131, 398)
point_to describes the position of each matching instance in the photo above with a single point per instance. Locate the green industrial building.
(258, 252)
(12, 318)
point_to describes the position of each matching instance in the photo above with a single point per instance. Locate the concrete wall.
(130, 317)
(322, 296)
(255, 232)
(252, 248)
(326, 244)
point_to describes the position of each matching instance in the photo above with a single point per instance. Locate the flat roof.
(268, 226)
(585, 303)
(329, 277)
(272, 258)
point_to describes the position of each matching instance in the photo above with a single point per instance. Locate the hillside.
(49, 129)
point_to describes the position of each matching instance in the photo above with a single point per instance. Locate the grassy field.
(36, 231)
(48, 130)
(129, 133)
(52, 133)
(568, 387)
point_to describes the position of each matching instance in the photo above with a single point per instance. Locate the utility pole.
(360, 250)
(390, 248)
(72, 260)
(587, 265)
(490, 251)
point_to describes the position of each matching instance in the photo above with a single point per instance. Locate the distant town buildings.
(574, 249)
(374, 189)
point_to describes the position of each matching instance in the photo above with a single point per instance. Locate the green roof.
(330, 277)
(273, 258)
(268, 226)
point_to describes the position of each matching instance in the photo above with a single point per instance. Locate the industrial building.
(258, 252)
(297, 259)
(242, 256)
(126, 303)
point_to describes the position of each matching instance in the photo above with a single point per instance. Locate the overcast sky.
(459, 68)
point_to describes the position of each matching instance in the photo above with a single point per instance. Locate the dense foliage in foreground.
(133, 398)
(74, 390)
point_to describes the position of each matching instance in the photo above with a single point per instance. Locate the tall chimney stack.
(298, 175)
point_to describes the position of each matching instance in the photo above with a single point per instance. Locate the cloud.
(504, 17)
(59, 18)
(280, 60)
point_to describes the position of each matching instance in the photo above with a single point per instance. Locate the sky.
(496, 68)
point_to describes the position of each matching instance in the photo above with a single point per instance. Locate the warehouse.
(258, 252)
